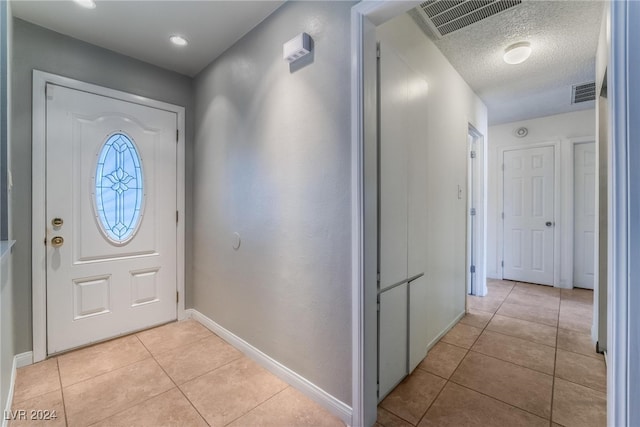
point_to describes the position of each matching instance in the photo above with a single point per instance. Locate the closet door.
(393, 226)
(402, 234)
(417, 206)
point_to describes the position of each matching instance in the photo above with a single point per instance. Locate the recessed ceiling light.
(89, 4)
(178, 40)
(517, 53)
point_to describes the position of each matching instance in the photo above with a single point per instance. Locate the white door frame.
(557, 205)
(623, 370)
(38, 249)
(365, 16)
(477, 181)
(570, 232)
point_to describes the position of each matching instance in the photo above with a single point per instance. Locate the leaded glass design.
(119, 188)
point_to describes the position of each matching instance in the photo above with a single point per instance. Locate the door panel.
(393, 171)
(584, 215)
(418, 321)
(392, 341)
(99, 286)
(529, 215)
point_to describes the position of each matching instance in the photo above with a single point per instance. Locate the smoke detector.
(521, 132)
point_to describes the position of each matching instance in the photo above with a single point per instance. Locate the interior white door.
(393, 224)
(584, 211)
(529, 215)
(111, 212)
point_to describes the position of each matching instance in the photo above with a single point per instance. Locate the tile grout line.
(498, 400)
(258, 405)
(174, 383)
(470, 350)
(555, 363)
(520, 338)
(461, 360)
(515, 363)
(205, 373)
(135, 334)
(142, 401)
(64, 405)
(433, 401)
(151, 356)
(399, 416)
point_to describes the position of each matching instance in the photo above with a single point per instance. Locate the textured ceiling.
(564, 38)
(141, 29)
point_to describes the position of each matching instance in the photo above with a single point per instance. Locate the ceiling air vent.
(441, 17)
(583, 93)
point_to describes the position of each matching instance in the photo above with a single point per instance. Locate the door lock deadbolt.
(57, 222)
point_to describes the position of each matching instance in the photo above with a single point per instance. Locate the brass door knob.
(57, 241)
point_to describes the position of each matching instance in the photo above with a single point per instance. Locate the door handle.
(549, 223)
(57, 241)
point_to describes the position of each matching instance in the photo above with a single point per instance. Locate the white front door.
(529, 215)
(584, 211)
(111, 217)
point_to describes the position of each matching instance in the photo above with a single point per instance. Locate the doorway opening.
(476, 222)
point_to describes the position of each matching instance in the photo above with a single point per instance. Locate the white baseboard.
(315, 393)
(19, 361)
(446, 330)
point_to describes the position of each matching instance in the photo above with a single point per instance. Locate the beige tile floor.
(522, 356)
(178, 374)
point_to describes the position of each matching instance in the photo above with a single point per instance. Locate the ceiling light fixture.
(517, 53)
(89, 4)
(178, 40)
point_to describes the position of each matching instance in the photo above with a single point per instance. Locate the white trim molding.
(19, 361)
(623, 371)
(365, 16)
(568, 208)
(38, 250)
(315, 393)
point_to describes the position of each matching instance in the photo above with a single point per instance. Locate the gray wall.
(272, 162)
(37, 48)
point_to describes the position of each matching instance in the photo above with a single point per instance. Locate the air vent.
(441, 17)
(583, 92)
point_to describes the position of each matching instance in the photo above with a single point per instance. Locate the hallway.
(522, 356)
(179, 374)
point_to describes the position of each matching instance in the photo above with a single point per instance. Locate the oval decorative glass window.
(119, 188)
